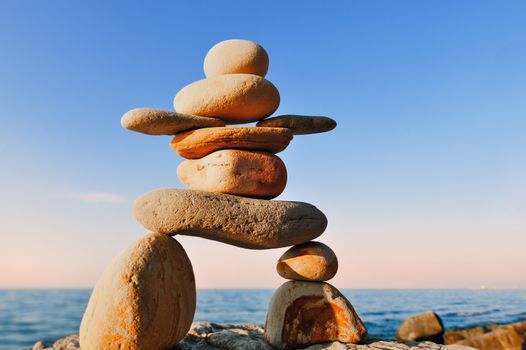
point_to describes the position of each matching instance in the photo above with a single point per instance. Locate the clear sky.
(423, 181)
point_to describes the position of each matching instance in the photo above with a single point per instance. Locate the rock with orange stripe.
(198, 143)
(306, 313)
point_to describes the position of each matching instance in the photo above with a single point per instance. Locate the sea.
(28, 315)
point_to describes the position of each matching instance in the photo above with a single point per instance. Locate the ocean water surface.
(29, 315)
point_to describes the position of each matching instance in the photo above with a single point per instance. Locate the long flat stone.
(299, 124)
(153, 121)
(243, 222)
(198, 143)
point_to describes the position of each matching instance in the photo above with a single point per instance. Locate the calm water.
(30, 315)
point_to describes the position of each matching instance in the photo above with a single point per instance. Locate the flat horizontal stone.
(243, 222)
(299, 124)
(231, 171)
(198, 143)
(153, 121)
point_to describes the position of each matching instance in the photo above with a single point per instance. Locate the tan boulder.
(305, 313)
(242, 173)
(243, 222)
(144, 300)
(519, 327)
(39, 345)
(153, 121)
(311, 261)
(198, 143)
(454, 336)
(499, 339)
(426, 326)
(235, 98)
(236, 56)
(299, 124)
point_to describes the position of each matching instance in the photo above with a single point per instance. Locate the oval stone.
(201, 142)
(299, 124)
(425, 326)
(306, 313)
(144, 300)
(243, 222)
(311, 261)
(153, 121)
(236, 56)
(242, 173)
(235, 98)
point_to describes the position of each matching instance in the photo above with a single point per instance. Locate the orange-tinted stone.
(242, 173)
(198, 143)
(306, 313)
(311, 261)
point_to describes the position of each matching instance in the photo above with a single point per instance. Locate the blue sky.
(423, 181)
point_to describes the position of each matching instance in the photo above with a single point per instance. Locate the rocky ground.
(210, 336)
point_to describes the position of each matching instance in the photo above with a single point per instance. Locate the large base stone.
(145, 299)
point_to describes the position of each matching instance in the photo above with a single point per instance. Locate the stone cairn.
(146, 298)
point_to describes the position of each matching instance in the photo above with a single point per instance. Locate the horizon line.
(271, 288)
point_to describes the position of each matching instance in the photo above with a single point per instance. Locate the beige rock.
(499, 339)
(426, 326)
(298, 124)
(519, 327)
(305, 313)
(235, 98)
(236, 56)
(144, 300)
(39, 345)
(198, 143)
(454, 336)
(242, 173)
(153, 121)
(243, 222)
(66, 343)
(311, 261)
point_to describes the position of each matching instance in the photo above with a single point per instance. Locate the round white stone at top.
(236, 56)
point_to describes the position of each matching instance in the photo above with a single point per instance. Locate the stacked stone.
(306, 310)
(146, 297)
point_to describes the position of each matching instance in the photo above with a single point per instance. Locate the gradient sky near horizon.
(423, 181)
